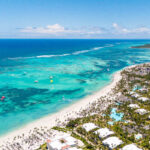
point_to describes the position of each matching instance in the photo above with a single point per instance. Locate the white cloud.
(122, 30)
(57, 29)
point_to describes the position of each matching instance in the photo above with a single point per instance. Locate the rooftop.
(143, 99)
(62, 142)
(141, 111)
(138, 136)
(89, 126)
(131, 147)
(135, 95)
(104, 132)
(112, 142)
(134, 106)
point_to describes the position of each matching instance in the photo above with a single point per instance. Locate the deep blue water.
(66, 71)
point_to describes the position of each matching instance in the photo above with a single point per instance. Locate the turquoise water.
(77, 68)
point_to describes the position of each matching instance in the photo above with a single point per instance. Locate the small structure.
(138, 136)
(135, 95)
(131, 147)
(112, 142)
(141, 111)
(131, 93)
(104, 132)
(134, 106)
(144, 99)
(89, 126)
(65, 142)
(142, 90)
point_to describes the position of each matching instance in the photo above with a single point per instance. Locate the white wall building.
(104, 132)
(134, 106)
(138, 136)
(131, 147)
(141, 111)
(144, 99)
(135, 95)
(65, 142)
(89, 126)
(112, 142)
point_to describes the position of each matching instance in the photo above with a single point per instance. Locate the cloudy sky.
(104, 19)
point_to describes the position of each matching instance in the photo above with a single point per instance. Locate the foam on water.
(61, 55)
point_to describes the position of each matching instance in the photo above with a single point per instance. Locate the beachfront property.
(104, 132)
(134, 106)
(135, 95)
(141, 111)
(131, 147)
(138, 136)
(143, 90)
(65, 142)
(143, 99)
(89, 126)
(112, 142)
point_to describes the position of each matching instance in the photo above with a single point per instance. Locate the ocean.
(39, 77)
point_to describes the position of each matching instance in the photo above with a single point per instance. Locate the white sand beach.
(71, 112)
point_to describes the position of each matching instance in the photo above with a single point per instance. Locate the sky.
(85, 19)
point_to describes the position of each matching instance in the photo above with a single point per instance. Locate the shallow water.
(77, 68)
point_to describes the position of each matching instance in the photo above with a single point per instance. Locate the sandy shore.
(71, 112)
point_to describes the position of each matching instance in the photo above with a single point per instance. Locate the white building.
(131, 147)
(135, 95)
(131, 93)
(112, 142)
(64, 142)
(141, 111)
(138, 136)
(89, 126)
(133, 106)
(143, 90)
(144, 99)
(104, 132)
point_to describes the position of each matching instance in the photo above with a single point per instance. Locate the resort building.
(131, 147)
(104, 132)
(143, 90)
(138, 136)
(112, 142)
(89, 126)
(144, 99)
(134, 106)
(141, 111)
(131, 93)
(135, 95)
(65, 142)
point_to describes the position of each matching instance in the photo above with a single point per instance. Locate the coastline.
(68, 112)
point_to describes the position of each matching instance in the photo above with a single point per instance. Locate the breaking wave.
(61, 55)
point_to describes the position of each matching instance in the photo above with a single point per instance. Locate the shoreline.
(68, 112)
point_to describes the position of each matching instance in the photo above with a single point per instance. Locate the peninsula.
(142, 46)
